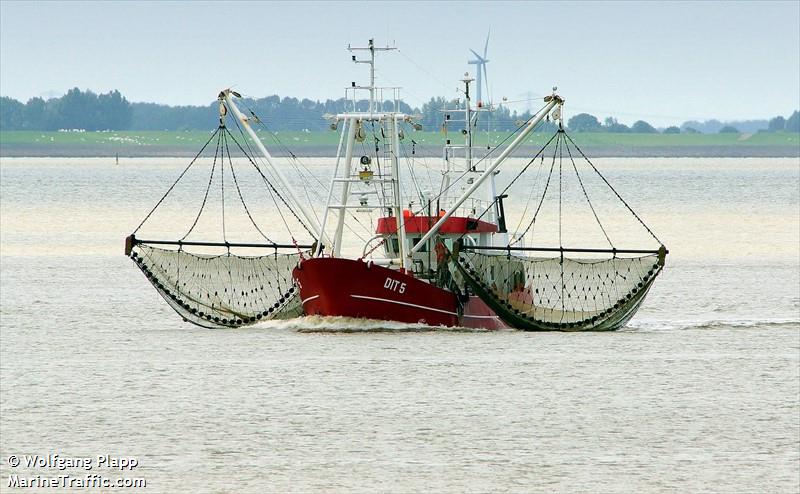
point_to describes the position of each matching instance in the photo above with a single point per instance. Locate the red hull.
(344, 287)
(478, 315)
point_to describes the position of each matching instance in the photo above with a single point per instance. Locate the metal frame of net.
(577, 289)
(231, 288)
(222, 290)
(560, 294)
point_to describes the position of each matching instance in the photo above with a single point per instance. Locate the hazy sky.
(664, 62)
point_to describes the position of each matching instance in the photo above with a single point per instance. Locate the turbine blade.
(476, 55)
(486, 46)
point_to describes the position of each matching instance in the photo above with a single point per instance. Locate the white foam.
(335, 324)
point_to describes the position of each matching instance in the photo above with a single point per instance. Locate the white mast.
(354, 123)
(372, 49)
(394, 147)
(468, 118)
(398, 208)
(345, 131)
(552, 102)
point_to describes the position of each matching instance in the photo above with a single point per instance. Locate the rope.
(296, 246)
(176, 181)
(486, 156)
(271, 186)
(295, 161)
(615, 191)
(241, 198)
(309, 175)
(586, 195)
(530, 197)
(546, 185)
(305, 173)
(302, 170)
(515, 179)
(374, 248)
(208, 188)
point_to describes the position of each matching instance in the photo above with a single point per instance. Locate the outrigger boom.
(552, 102)
(308, 215)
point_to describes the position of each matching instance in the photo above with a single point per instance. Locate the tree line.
(75, 110)
(584, 122)
(87, 110)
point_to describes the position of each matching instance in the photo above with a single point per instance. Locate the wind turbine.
(480, 76)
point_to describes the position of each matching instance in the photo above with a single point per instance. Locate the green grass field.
(111, 139)
(600, 139)
(144, 143)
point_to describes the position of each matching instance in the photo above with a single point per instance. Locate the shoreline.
(321, 151)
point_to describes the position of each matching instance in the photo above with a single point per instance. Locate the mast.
(372, 49)
(398, 208)
(345, 176)
(468, 118)
(307, 214)
(352, 124)
(552, 102)
(345, 131)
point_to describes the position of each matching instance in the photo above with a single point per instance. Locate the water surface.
(700, 393)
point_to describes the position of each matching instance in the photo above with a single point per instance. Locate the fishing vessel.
(439, 254)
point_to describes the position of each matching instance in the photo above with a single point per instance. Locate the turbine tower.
(480, 75)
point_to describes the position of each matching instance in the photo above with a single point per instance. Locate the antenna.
(372, 49)
(468, 119)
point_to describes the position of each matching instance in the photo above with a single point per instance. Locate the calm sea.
(700, 393)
